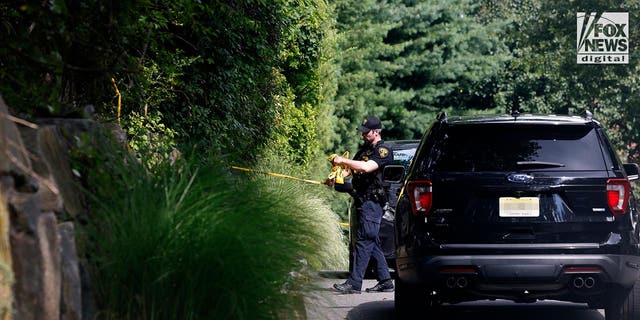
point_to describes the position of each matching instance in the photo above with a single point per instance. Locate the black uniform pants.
(368, 244)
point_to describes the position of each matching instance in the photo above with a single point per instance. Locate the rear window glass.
(403, 157)
(509, 148)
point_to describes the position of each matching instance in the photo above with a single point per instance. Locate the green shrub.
(149, 137)
(194, 241)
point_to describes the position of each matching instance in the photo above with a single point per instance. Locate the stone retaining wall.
(39, 267)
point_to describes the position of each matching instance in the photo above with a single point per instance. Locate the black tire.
(625, 306)
(613, 311)
(631, 307)
(412, 302)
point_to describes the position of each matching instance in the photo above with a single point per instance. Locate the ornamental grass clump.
(193, 241)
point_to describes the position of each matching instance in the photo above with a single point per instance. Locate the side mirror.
(632, 170)
(393, 173)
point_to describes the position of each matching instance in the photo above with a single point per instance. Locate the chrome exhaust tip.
(451, 282)
(462, 282)
(578, 282)
(589, 282)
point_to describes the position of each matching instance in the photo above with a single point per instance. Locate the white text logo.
(603, 38)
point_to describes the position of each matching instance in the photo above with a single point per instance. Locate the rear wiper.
(539, 164)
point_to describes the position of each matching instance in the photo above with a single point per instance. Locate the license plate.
(519, 207)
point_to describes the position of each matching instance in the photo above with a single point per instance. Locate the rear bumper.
(520, 277)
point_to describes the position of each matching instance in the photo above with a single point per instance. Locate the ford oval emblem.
(520, 178)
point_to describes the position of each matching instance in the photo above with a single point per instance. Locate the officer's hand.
(337, 160)
(330, 182)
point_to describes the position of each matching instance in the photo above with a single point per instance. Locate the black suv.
(518, 207)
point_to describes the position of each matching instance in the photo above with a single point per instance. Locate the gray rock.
(38, 257)
(71, 303)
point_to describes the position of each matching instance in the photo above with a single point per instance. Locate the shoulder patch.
(383, 152)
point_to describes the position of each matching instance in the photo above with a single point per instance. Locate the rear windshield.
(471, 148)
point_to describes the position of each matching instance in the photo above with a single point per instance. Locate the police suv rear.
(518, 207)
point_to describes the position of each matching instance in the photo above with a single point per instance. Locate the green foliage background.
(230, 76)
(281, 84)
(407, 60)
(295, 77)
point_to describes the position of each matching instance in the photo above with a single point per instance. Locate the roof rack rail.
(515, 106)
(442, 117)
(515, 110)
(588, 115)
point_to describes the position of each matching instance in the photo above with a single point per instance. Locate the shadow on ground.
(384, 310)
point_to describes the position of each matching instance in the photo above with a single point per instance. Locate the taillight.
(618, 195)
(421, 196)
(459, 269)
(585, 269)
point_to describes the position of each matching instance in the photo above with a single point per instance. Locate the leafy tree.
(249, 77)
(57, 56)
(545, 78)
(405, 60)
(231, 76)
(451, 57)
(362, 54)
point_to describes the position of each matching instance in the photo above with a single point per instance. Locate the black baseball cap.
(370, 123)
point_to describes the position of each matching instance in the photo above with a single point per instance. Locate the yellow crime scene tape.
(335, 173)
(278, 175)
(338, 172)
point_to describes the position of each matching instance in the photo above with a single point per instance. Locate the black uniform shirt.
(366, 183)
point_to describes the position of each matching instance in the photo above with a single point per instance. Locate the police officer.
(367, 166)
